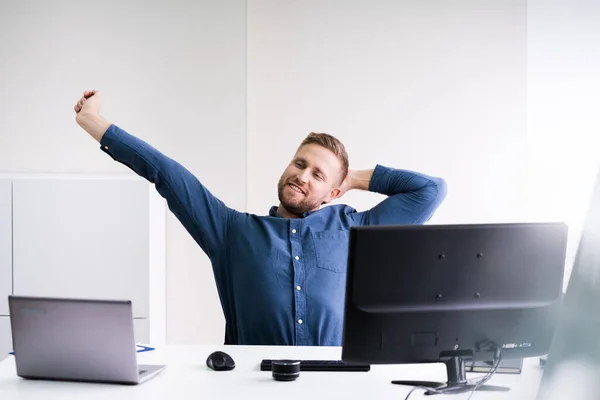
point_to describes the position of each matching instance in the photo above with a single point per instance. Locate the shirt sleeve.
(202, 214)
(412, 197)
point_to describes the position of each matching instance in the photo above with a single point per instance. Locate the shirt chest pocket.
(331, 250)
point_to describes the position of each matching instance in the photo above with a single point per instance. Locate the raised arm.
(203, 215)
(412, 197)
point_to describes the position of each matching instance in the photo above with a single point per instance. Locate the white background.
(495, 96)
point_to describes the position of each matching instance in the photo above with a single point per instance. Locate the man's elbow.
(432, 197)
(440, 190)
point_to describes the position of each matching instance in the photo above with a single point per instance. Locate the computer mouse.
(220, 361)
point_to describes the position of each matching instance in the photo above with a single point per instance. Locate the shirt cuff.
(111, 139)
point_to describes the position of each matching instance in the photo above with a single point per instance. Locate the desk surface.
(187, 376)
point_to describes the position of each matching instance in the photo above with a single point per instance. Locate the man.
(281, 278)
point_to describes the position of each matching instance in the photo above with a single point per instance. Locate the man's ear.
(333, 194)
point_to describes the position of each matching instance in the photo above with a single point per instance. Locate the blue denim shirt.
(280, 281)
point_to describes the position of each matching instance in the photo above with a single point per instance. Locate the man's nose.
(303, 177)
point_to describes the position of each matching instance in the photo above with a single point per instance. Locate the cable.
(477, 384)
(431, 390)
(497, 359)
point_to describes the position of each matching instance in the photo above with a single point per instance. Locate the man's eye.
(299, 165)
(319, 177)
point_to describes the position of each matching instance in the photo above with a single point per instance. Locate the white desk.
(188, 377)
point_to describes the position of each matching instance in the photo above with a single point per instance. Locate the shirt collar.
(273, 212)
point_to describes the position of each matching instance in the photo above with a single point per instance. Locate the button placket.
(299, 271)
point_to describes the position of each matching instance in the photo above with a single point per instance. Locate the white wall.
(456, 89)
(434, 86)
(563, 84)
(172, 73)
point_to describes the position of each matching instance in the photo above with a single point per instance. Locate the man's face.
(311, 179)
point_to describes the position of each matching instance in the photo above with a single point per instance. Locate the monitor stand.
(457, 380)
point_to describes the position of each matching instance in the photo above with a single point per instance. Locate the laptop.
(76, 340)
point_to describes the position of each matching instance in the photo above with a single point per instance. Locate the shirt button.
(300, 321)
(293, 231)
(106, 147)
(298, 287)
(297, 258)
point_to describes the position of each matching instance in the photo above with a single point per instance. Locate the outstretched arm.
(203, 215)
(412, 197)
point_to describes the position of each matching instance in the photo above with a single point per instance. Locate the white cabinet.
(141, 331)
(82, 238)
(5, 245)
(99, 237)
(5, 337)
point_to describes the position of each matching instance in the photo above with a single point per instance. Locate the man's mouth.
(296, 188)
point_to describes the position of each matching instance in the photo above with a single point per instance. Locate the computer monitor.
(573, 364)
(452, 294)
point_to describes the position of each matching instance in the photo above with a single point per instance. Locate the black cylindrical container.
(285, 370)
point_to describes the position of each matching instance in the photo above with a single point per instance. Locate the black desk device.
(322, 365)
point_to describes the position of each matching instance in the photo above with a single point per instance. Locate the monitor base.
(457, 380)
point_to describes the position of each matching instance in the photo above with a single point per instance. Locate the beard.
(299, 205)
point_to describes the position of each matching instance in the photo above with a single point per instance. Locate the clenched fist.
(89, 103)
(87, 114)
